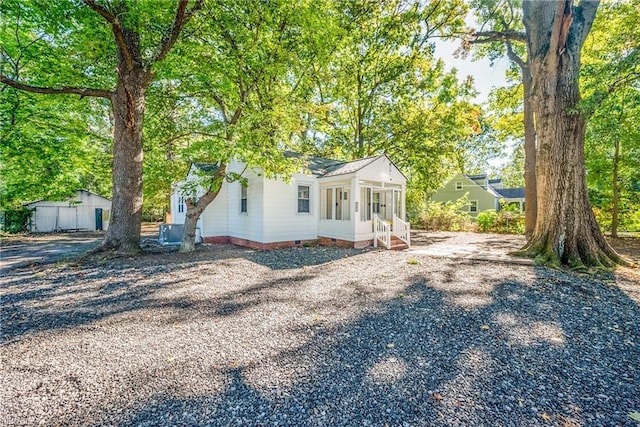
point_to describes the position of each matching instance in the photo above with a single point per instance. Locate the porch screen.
(365, 204)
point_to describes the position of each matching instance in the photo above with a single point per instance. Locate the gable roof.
(350, 167)
(68, 198)
(511, 193)
(318, 166)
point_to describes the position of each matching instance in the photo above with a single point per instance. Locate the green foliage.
(450, 216)
(487, 219)
(610, 81)
(16, 219)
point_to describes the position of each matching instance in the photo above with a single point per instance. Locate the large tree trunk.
(195, 208)
(566, 231)
(128, 103)
(530, 186)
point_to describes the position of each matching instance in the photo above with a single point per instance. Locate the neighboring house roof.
(495, 181)
(474, 177)
(511, 193)
(207, 167)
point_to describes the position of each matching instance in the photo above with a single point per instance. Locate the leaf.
(437, 396)
(635, 416)
(484, 327)
(545, 416)
(391, 345)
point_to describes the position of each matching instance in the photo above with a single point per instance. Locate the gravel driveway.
(317, 336)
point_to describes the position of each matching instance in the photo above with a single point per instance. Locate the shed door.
(98, 218)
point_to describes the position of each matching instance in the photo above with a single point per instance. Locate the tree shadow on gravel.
(558, 350)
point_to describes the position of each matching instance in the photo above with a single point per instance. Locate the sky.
(484, 75)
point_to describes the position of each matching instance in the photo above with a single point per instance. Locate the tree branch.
(497, 36)
(514, 56)
(586, 13)
(116, 27)
(182, 17)
(101, 93)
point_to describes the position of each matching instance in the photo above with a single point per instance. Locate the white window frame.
(459, 185)
(244, 191)
(308, 199)
(340, 203)
(181, 204)
(471, 206)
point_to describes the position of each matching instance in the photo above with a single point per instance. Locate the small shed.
(86, 211)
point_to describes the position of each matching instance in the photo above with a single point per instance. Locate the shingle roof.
(474, 177)
(316, 165)
(319, 166)
(349, 167)
(511, 193)
(495, 181)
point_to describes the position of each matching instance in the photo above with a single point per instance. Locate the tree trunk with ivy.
(566, 232)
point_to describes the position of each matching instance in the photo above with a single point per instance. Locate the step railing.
(381, 232)
(402, 230)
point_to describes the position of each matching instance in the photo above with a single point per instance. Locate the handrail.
(402, 230)
(382, 232)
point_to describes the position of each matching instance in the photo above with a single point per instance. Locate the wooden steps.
(397, 244)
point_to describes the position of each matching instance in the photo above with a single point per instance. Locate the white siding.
(339, 229)
(214, 218)
(282, 222)
(245, 225)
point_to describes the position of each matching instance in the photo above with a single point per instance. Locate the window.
(335, 204)
(243, 198)
(303, 199)
(376, 203)
(181, 204)
(365, 204)
(473, 206)
(458, 185)
(328, 204)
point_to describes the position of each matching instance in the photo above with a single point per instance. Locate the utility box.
(171, 234)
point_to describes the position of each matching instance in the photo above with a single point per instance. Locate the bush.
(429, 215)
(505, 221)
(487, 219)
(16, 219)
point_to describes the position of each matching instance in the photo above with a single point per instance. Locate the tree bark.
(195, 208)
(566, 231)
(128, 103)
(530, 185)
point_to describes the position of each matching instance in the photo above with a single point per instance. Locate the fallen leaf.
(484, 327)
(545, 416)
(635, 416)
(391, 345)
(437, 396)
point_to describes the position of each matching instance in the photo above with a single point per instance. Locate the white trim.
(471, 202)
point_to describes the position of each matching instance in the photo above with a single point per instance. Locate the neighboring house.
(86, 211)
(329, 202)
(483, 193)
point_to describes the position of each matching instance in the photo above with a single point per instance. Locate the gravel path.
(317, 337)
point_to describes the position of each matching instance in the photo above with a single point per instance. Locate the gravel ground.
(317, 336)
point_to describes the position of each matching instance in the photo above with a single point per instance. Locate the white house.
(85, 211)
(330, 202)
